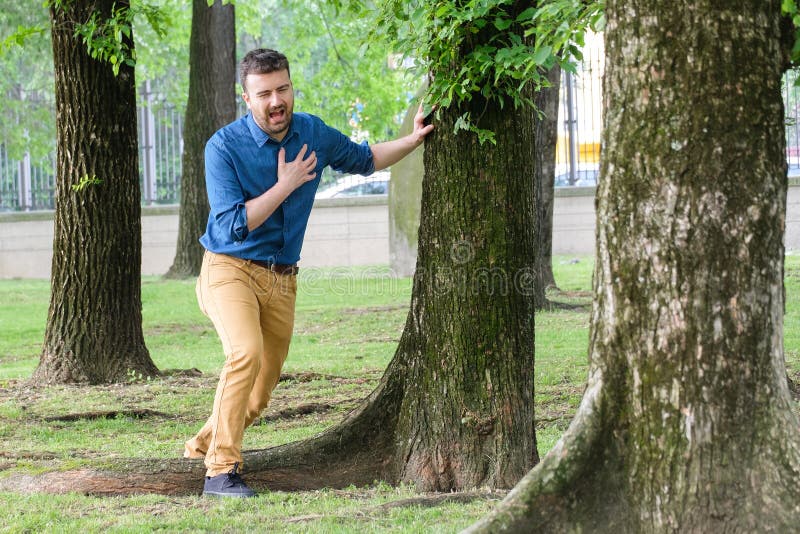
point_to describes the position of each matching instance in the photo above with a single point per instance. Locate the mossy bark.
(94, 325)
(466, 417)
(686, 424)
(211, 105)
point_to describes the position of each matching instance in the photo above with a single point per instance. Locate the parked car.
(585, 175)
(355, 185)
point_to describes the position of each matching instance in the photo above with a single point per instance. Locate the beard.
(275, 121)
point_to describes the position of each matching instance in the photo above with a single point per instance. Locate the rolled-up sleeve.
(346, 155)
(225, 194)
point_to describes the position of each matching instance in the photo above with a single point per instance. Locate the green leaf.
(528, 14)
(502, 24)
(575, 52)
(541, 55)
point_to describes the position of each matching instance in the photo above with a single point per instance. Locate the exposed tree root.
(182, 372)
(139, 413)
(29, 455)
(308, 377)
(794, 389)
(553, 305)
(556, 496)
(289, 413)
(429, 501)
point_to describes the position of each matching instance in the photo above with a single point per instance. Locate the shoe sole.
(234, 495)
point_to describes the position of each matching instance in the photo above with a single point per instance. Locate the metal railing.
(160, 149)
(580, 119)
(28, 185)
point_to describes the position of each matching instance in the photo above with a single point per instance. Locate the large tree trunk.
(94, 326)
(545, 154)
(211, 105)
(466, 419)
(686, 424)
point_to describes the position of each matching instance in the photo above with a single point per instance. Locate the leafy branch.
(20, 35)
(109, 39)
(789, 9)
(85, 182)
(485, 47)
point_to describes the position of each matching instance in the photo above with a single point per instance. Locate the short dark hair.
(262, 61)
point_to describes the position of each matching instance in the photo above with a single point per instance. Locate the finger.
(312, 160)
(281, 157)
(302, 153)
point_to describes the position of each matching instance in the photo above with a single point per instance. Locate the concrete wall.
(341, 232)
(573, 220)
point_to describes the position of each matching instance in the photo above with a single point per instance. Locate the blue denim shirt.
(242, 163)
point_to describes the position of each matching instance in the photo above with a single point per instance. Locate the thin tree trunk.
(545, 154)
(686, 424)
(94, 325)
(211, 105)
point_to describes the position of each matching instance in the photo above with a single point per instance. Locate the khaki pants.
(252, 310)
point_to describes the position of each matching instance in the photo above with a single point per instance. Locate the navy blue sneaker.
(228, 484)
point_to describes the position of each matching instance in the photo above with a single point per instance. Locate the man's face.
(270, 98)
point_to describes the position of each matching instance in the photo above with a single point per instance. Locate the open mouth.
(277, 115)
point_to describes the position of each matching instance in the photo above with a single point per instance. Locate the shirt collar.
(261, 137)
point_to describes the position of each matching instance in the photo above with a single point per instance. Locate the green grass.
(327, 511)
(347, 327)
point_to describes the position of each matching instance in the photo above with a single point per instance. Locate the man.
(262, 172)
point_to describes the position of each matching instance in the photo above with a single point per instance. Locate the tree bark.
(466, 418)
(686, 424)
(211, 105)
(94, 325)
(545, 154)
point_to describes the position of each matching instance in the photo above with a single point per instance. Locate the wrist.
(283, 188)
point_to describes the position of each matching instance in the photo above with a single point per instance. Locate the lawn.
(347, 328)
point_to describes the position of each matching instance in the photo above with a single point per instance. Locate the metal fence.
(27, 185)
(160, 149)
(580, 119)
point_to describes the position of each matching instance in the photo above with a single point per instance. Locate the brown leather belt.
(279, 268)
